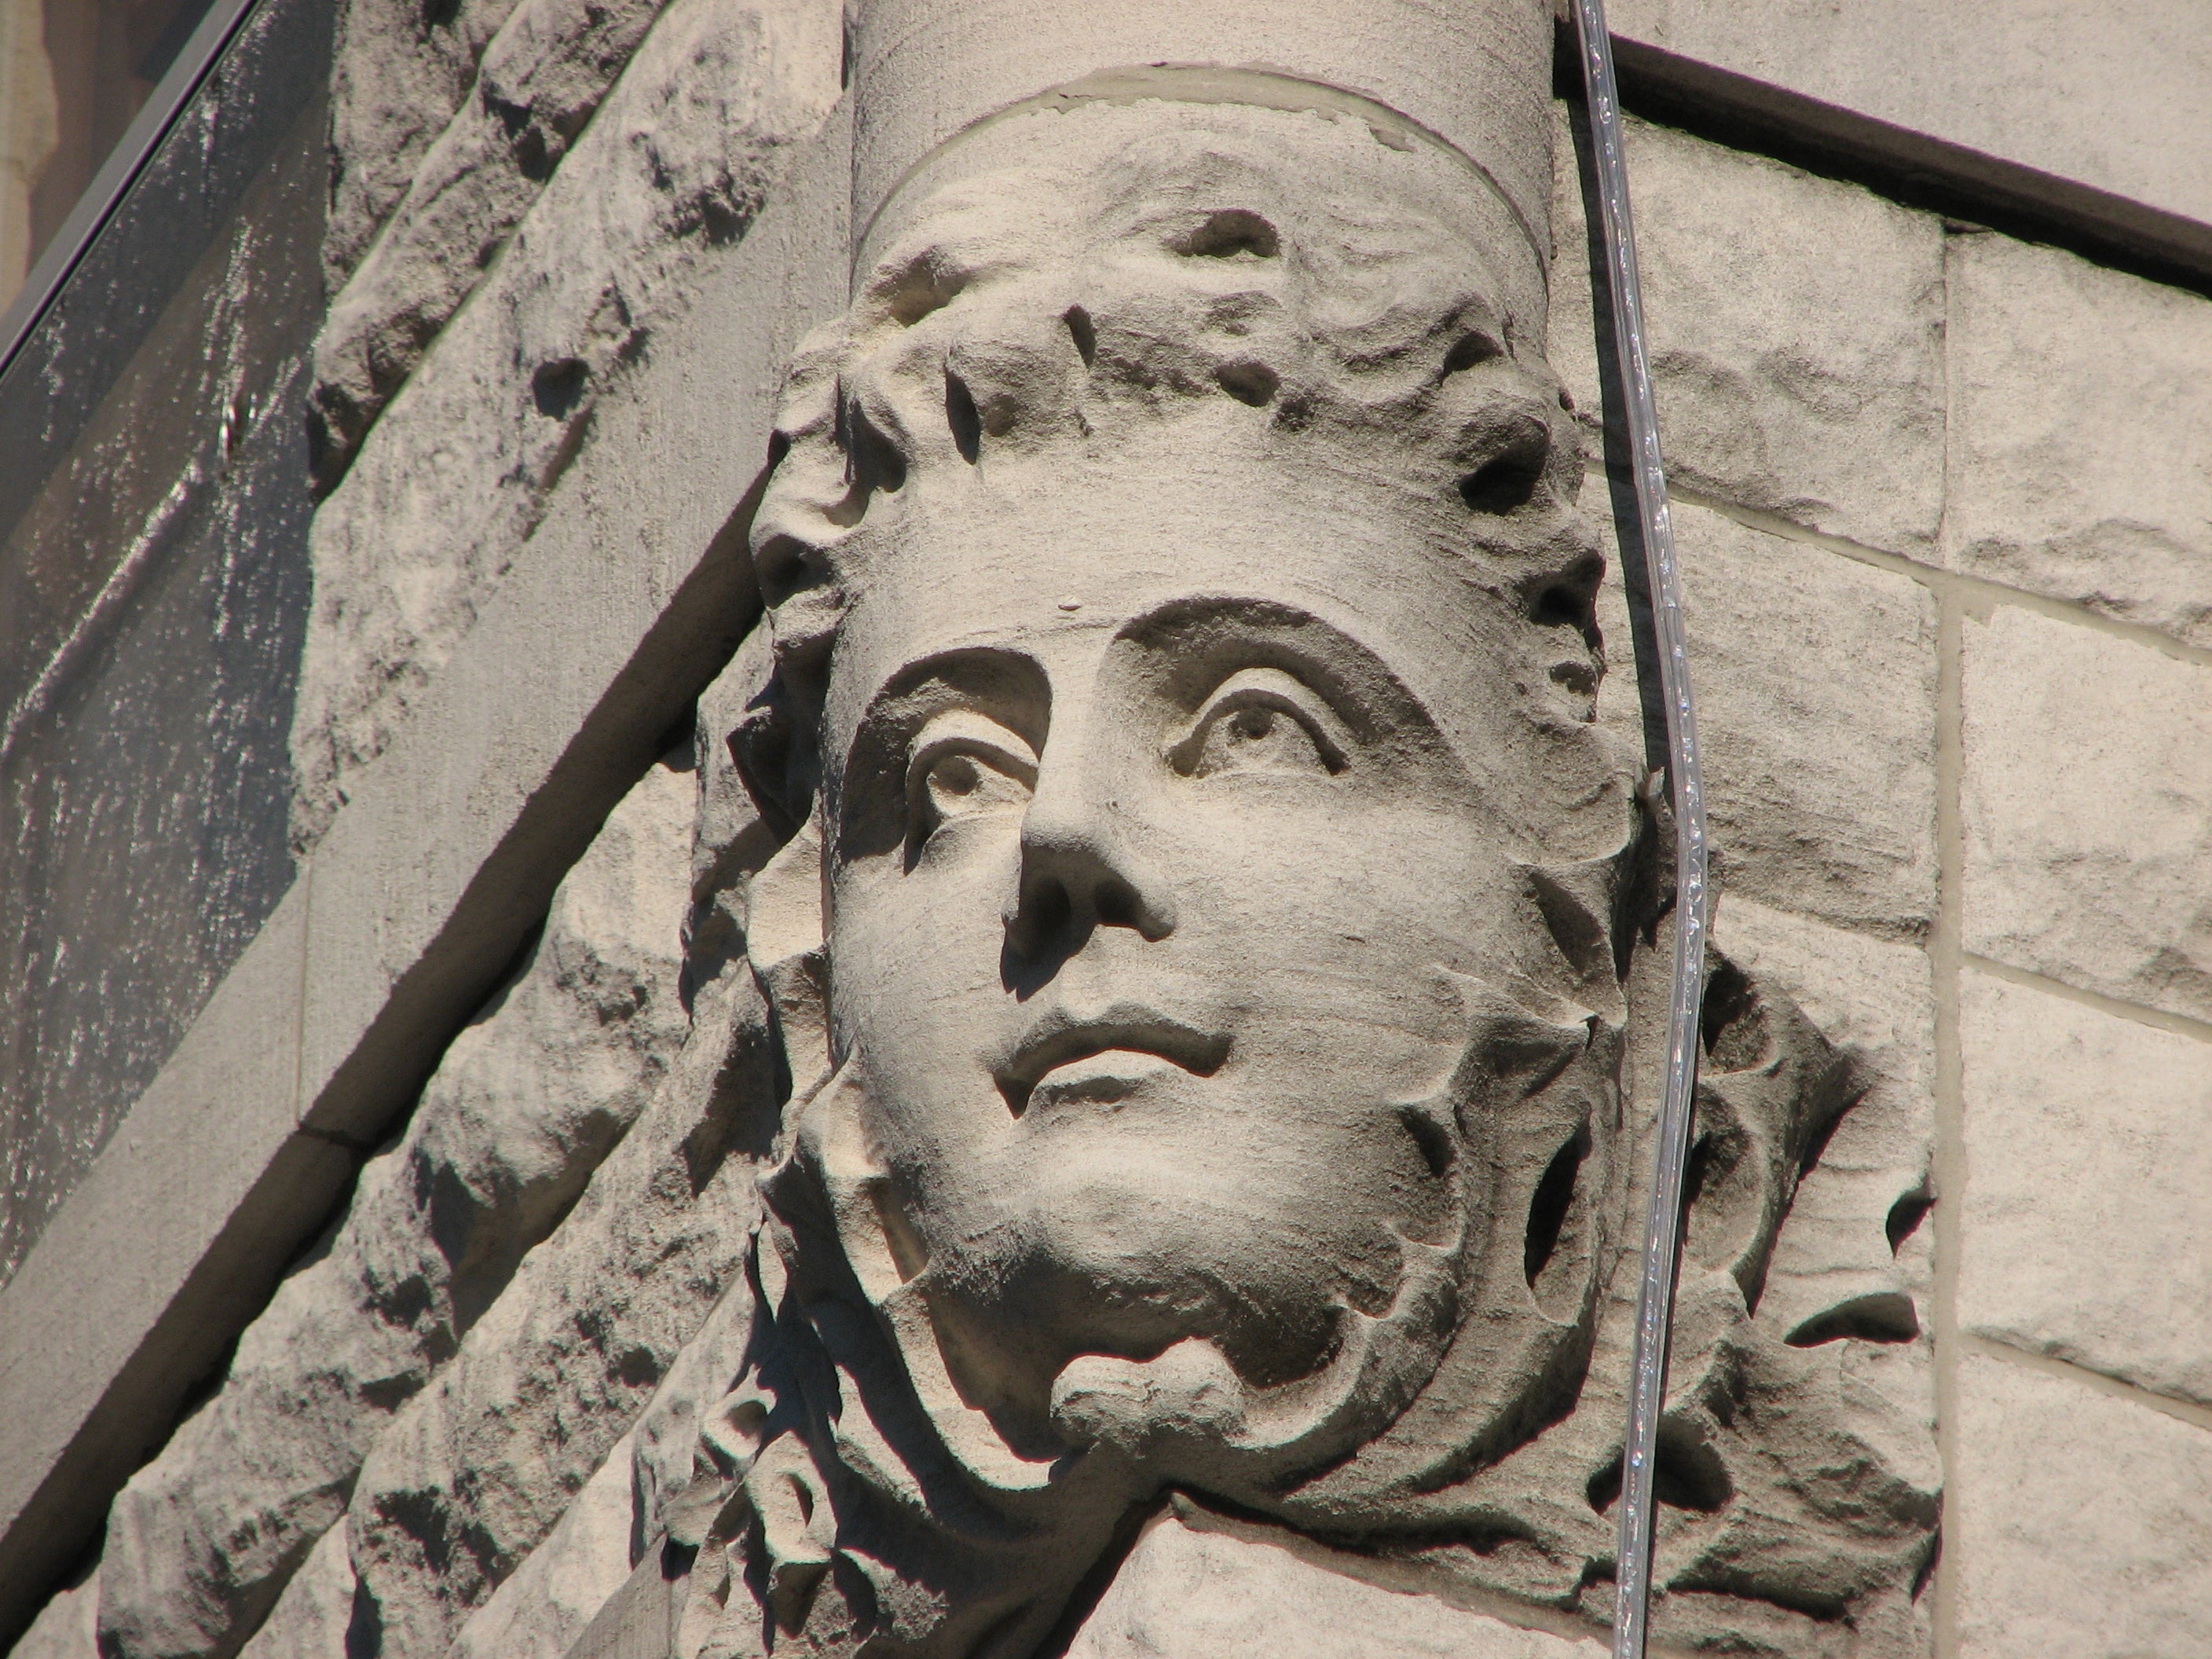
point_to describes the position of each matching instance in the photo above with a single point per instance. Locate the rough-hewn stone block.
(541, 79)
(67, 1628)
(540, 1612)
(526, 1102)
(2081, 434)
(310, 1620)
(1815, 681)
(2087, 805)
(476, 1470)
(1797, 329)
(2088, 1201)
(402, 69)
(2079, 1524)
(177, 1233)
(453, 477)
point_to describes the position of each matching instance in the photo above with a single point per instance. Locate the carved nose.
(1079, 873)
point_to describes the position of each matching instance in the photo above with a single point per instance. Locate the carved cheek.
(916, 968)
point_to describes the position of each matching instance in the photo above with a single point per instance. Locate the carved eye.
(1260, 720)
(964, 766)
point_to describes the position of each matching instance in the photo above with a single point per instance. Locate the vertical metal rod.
(1654, 1306)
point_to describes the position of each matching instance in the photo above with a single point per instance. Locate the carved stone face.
(1152, 875)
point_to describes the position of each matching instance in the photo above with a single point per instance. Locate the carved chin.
(1191, 1419)
(1190, 1414)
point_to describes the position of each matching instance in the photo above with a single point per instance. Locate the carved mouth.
(1106, 1057)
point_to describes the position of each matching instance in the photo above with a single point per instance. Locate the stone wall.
(1945, 507)
(1944, 499)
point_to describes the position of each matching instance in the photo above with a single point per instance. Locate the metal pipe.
(1654, 1306)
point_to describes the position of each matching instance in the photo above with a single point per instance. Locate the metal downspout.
(1655, 1305)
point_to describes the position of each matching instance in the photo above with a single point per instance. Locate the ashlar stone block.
(2080, 1522)
(2088, 807)
(2081, 434)
(2089, 1198)
(1816, 681)
(1796, 331)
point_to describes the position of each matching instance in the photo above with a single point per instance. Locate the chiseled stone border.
(622, 607)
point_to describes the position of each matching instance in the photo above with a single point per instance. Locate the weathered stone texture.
(1796, 335)
(540, 1612)
(526, 1103)
(2088, 809)
(2088, 1234)
(402, 69)
(475, 1472)
(541, 79)
(2079, 1524)
(1193, 1592)
(68, 1628)
(450, 482)
(310, 1618)
(1873, 1185)
(1815, 681)
(2081, 434)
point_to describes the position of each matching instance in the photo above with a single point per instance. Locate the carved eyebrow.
(1007, 687)
(967, 730)
(1212, 640)
(1005, 690)
(1275, 688)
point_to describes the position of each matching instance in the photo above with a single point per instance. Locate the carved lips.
(1104, 1057)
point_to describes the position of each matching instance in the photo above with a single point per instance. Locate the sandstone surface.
(67, 1628)
(526, 1103)
(1191, 1592)
(2087, 804)
(1796, 335)
(402, 69)
(1857, 1255)
(539, 1612)
(451, 482)
(312, 1617)
(539, 82)
(2082, 1522)
(1816, 681)
(2110, 1267)
(473, 1473)
(2080, 433)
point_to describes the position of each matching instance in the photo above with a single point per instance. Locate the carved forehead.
(1224, 351)
(1096, 543)
(1053, 568)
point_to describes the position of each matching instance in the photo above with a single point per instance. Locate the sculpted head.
(1236, 927)
(1175, 555)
